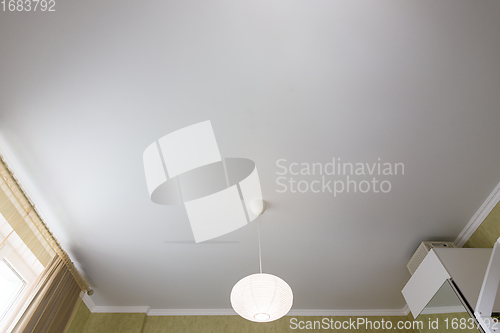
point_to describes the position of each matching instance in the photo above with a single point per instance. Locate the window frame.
(14, 299)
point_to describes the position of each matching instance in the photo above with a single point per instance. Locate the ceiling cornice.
(479, 217)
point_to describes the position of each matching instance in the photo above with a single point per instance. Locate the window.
(19, 269)
(11, 285)
(26, 248)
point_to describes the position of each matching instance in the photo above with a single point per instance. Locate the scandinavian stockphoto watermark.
(337, 176)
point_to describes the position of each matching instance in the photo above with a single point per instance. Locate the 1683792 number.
(28, 5)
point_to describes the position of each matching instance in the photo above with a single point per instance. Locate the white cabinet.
(473, 276)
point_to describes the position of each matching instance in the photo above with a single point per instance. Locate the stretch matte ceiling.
(85, 89)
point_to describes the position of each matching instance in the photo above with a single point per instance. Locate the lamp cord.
(260, 253)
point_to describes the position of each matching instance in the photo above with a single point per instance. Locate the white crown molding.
(88, 301)
(347, 313)
(121, 309)
(230, 312)
(406, 309)
(479, 217)
(443, 309)
(191, 312)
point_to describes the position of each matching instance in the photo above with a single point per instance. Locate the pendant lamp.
(261, 297)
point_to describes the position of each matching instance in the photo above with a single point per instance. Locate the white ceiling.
(84, 90)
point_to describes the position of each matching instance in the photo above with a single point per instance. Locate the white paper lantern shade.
(261, 297)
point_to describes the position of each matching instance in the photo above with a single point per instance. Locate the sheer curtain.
(51, 302)
(27, 245)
